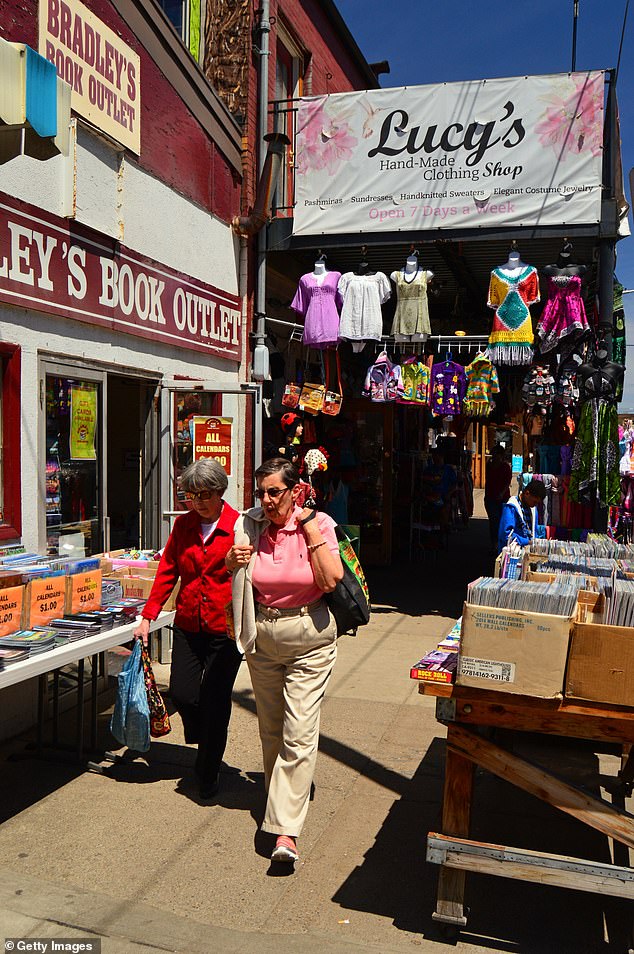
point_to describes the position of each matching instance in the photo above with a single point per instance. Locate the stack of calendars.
(33, 640)
(441, 663)
(556, 598)
(8, 657)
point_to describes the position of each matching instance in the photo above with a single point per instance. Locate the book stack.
(437, 666)
(556, 599)
(440, 664)
(111, 591)
(33, 640)
(8, 657)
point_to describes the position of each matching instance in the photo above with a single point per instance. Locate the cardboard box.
(513, 651)
(140, 587)
(601, 664)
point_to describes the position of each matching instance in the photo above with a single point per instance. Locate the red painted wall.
(174, 147)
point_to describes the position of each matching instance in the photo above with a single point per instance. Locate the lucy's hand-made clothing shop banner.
(519, 151)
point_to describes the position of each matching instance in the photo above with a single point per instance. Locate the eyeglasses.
(272, 492)
(201, 495)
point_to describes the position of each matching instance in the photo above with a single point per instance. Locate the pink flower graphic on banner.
(573, 123)
(323, 141)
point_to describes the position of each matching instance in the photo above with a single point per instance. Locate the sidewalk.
(133, 857)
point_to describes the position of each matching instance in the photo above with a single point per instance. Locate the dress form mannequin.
(411, 319)
(319, 270)
(514, 263)
(565, 265)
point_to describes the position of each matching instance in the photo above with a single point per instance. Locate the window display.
(72, 478)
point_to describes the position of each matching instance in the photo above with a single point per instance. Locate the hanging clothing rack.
(455, 340)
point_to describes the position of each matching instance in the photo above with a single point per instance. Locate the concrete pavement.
(133, 856)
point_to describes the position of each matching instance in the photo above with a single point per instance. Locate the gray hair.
(279, 465)
(205, 474)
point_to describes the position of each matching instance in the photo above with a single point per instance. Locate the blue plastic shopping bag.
(130, 722)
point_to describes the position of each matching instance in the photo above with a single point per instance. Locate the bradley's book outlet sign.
(103, 71)
(522, 151)
(47, 267)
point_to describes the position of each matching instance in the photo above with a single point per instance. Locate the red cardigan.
(205, 587)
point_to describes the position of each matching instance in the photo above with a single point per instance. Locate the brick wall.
(174, 147)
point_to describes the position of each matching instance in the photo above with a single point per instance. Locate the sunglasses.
(272, 493)
(199, 495)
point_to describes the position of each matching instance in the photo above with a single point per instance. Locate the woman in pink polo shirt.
(284, 559)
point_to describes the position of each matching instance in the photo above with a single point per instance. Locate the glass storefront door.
(101, 460)
(207, 422)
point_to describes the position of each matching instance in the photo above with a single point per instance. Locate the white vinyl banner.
(524, 151)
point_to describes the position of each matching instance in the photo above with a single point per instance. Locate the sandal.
(285, 849)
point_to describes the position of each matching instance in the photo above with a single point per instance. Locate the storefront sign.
(525, 151)
(46, 599)
(11, 605)
(103, 72)
(212, 438)
(83, 591)
(83, 422)
(50, 266)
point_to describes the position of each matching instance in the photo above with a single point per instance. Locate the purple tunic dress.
(319, 304)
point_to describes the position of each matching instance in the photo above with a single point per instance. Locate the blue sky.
(473, 39)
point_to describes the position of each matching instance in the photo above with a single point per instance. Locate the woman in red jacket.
(205, 661)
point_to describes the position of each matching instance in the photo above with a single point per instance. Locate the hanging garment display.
(618, 325)
(566, 390)
(510, 294)
(411, 318)
(448, 384)
(538, 388)
(363, 295)
(482, 385)
(416, 377)
(383, 381)
(564, 313)
(318, 301)
(595, 460)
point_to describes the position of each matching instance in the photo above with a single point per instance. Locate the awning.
(34, 105)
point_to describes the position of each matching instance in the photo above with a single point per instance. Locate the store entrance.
(132, 468)
(101, 459)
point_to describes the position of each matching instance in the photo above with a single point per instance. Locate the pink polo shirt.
(282, 572)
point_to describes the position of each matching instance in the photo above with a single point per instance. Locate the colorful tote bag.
(159, 716)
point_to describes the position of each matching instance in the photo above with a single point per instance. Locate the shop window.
(10, 417)
(288, 86)
(177, 12)
(187, 406)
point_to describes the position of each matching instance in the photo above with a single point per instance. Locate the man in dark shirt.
(497, 489)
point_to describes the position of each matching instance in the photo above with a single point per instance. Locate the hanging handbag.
(311, 400)
(333, 399)
(290, 398)
(159, 716)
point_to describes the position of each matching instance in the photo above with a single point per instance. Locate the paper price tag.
(11, 606)
(47, 598)
(84, 591)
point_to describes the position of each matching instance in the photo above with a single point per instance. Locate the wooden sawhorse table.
(464, 711)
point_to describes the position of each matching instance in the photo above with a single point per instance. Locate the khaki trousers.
(290, 668)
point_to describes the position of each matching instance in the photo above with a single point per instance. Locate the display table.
(74, 652)
(464, 711)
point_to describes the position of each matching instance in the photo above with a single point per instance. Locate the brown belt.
(272, 612)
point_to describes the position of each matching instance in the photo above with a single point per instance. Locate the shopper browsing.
(283, 561)
(205, 661)
(519, 516)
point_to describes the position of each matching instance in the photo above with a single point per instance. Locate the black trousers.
(204, 669)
